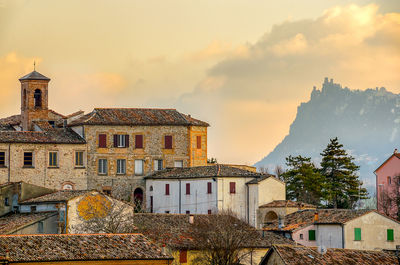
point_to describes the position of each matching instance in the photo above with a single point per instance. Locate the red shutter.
(102, 140)
(183, 256)
(166, 189)
(209, 189)
(168, 142)
(138, 141)
(209, 211)
(126, 140)
(115, 140)
(151, 204)
(187, 188)
(198, 142)
(232, 187)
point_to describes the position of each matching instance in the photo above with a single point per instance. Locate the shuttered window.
(232, 187)
(166, 189)
(311, 235)
(138, 141)
(53, 159)
(209, 212)
(79, 159)
(2, 159)
(158, 164)
(168, 141)
(102, 166)
(121, 166)
(28, 159)
(198, 140)
(139, 167)
(357, 234)
(209, 188)
(183, 256)
(121, 140)
(390, 235)
(188, 188)
(102, 140)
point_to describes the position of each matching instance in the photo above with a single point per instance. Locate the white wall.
(329, 236)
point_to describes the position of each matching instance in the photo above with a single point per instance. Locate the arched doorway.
(38, 98)
(138, 199)
(270, 217)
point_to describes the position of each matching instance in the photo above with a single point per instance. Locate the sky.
(243, 66)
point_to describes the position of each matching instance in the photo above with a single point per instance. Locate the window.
(390, 235)
(37, 95)
(138, 167)
(138, 141)
(389, 180)
(209, 188)
(151, 204)
(158, 164)
(166, 189)
(33, 208)
(357, 234)
(168, 141)
(79, 159)
(209, 211)
(107, 190)
(28, 159)
(301, 236)
(178, 163)
(103, 167)
(198, 142)
(187, 212)
(52, 124)
(121, 140)
(187, 189)
(67, 187)
(311, 235)
(2, 159)
(166, 211)
(232, 187)
(183, 256)
(102, 141)
(53, 159)
(121, 166)
(151, 188)
(6, 202)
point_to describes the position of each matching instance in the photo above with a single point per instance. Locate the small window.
(52, 124)
(28, 159)
(187, 212)
(6, 202)
(357, 234)
(168, 141)
(107, 190)
(67, 187)
(103, 167)
(53, 162)
(102, 141)
(151, 188)
(33, 209)
(121, 166)
(198, 142)
(37, 95)
(166, 189)
(390, 235)
(79, 159)
(178, 163)
(232, 187)
(389, 180)
(209, 187)
(121, 140)
(2, 159)
(209, 212)
(301, 236)
(166, 211)
(183, 256)
(187, 188)
(138, 141)
(139, 167)
(311, 235)
(158, 164)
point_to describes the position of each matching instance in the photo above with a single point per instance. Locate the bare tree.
(279, 171)
(264, 170)
(389, 199)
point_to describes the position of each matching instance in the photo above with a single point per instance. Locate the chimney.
(316, 217)
(191, 219)
(395, 151)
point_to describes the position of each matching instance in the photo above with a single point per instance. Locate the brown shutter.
(115, 140)
(126, 140)
(232, 187)
(209, 189)
(168, 142)
(102, 140)
(138, 141)
(187, 188)
(198, 142)
(183, 256)
(166, 189)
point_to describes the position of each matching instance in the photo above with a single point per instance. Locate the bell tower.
(34, 99)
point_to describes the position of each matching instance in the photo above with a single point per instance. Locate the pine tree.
(343, 187)
(303, 180)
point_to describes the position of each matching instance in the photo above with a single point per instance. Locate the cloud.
(217, 50)
(251, 100)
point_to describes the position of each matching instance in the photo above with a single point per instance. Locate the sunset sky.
(243, 66)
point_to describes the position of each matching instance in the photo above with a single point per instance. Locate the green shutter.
(357, 234)
(311, 235)
(390, 235)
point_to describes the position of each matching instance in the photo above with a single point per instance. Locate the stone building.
(110, 150)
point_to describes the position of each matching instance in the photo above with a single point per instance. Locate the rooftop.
(299, 255)
(216, 170)
(74, 247)
(288, 203)
(58, 196)
(34, 76)
(13, 222)
(137, 116)
(51, 136)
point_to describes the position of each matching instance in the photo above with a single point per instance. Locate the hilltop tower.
(34, 99)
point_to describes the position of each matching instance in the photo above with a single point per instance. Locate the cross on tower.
(34, 65)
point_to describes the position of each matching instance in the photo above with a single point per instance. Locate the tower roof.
(34, 76)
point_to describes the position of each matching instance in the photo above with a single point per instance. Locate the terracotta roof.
(73, 247)
(12, 120)
(175, 231)
(390, 157)
(136, 116)
(12, 222)
(264, 177)
(288, 203)
(58, 196)
(304, 218)
(53, 136)
(216, 170)
(300, 255)
(34, 76)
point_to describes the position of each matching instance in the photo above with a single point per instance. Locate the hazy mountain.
(366, 122)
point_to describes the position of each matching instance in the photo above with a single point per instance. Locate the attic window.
(52, 123)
